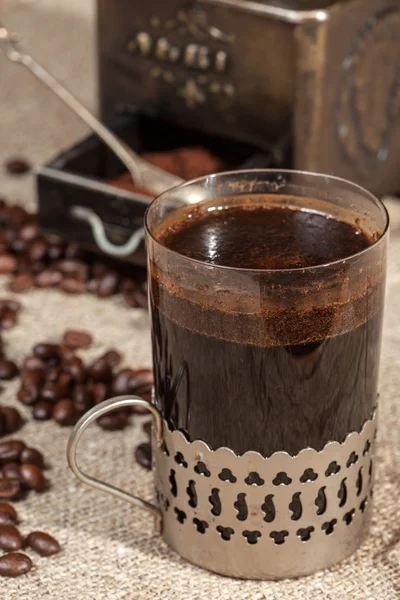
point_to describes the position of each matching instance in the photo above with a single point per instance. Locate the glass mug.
(265, 391)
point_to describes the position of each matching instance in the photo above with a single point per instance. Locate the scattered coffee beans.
(58, 385)
(21, 470)
(42, 543)
(10, 420)
(17, 166)
(143, 455)
(45, 261)
(14, 564)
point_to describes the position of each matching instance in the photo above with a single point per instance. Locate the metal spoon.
(143, 173)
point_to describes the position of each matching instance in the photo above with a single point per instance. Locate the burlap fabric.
(110, 551)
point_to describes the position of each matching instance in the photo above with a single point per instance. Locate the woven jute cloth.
(110, 550)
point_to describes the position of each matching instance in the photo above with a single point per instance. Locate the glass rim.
(199, 180)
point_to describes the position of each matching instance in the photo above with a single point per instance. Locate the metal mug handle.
(81, 426)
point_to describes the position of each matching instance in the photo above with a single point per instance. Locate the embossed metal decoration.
(249, 516)
(265, 518)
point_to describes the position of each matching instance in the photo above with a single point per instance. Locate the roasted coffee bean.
(76, 369)
(17, 166)
(10, 304)
(74, 268)
(33, 363)
(33, 457)
(112, 357)
(64, 412)
(37, 249)
(29, 231)
(5, 519)
(28, 394)
(141, 382)
(107, 285)
(12, 417)
(82, 399)
(100, 392)
(120, 386)
(143, 455)
(10, 451)
(8, 369)
(11, 471)
(9, 488)
(52, 375)
(42, 543)
(46, 351)
(50, 392)
(72, 251)
(100, 371)
(32, 377)
(147, 428)
(113, 421)
(77, 339)
(8, 264)
(72, 285)
(33, 477)
(21, 283)
(64, 384)
(9, 510)
(8, 319)
(43, 410)
(3, 424)
(10, 538)
(14, 564)
(18, 246)
(48, 278)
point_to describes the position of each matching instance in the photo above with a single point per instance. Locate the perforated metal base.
(265, 518)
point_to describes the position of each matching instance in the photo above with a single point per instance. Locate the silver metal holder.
(249, 516)
(143, 173)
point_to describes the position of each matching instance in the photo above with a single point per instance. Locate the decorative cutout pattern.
(216, 503)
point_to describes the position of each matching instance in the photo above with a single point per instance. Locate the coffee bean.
(143, 455)
(33, 457)
(52, 375)
(48, 278)
(42, 543)
(21, 283)
(33, 477)
(11, 471)
(37, 249)
(76, 369)
(10, 451)
(33, 363)
(42, 411)
(55, 250)
(5, 519)
(28, 394)
(10, 304)
(72, 251)
(46, 351)
(17, 166)
(112, 357)
(8, 369)
(100, 392)
(15, 564)
(64, 385)
(113, 421)
(107, 285)
(147, 428)
(13, 419)
(71, 285)
(8, 319)
(120, 386)
(10, 538)
(32, 377)
(141, 382)
(77, 339)
(9, 488)
(82, 399)
(64, 412)
(8, 264)
(9, 510)
(50, 392)
(100, 371)
(29, 231)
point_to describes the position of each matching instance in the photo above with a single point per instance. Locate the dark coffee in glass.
(266, 297)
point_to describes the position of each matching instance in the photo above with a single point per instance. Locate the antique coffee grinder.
(250, 70)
